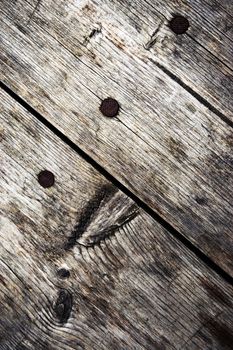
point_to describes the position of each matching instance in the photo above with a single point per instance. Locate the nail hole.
(179, 24)
(63, 273)
(46, 179)
(109, 107)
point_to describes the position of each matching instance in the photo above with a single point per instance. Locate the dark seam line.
(201, 99)
(167, 226)
(211, 53)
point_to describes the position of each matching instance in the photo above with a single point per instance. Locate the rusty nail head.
(179, 24)
(109, 107)
(46, 179)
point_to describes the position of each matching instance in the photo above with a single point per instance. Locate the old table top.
(116, 214)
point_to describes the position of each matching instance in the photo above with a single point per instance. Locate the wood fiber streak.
(201, 59)
(165, 146)
(130, 284)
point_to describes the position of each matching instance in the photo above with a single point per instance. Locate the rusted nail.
(63, 273)
(46, 178)
(179, 24)
(109, 107)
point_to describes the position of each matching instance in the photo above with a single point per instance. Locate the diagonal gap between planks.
(198, 13)
(211, 53)
(175, 233)
(186, 87)
(201, 99)
(171, 75)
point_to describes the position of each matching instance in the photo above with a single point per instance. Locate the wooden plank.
(210, 26)
(82, 267)
(211, 22)
(200, 59)
(226, 5)
(165, 146)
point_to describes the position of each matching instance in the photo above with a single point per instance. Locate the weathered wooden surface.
(165, 145)
(131, 285)
(200, 59)
(210, 26)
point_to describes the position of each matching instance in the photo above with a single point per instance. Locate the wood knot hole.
(63, 273)
(63, 306)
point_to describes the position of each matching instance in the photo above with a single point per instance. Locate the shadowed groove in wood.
(200, 98)
(63, 305)
(96, 223)
(139, 289)
(203, 257)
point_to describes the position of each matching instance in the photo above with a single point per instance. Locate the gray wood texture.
(131, 284)
(200, 59)
(166, 146)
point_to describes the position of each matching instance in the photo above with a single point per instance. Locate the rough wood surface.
(165, 145)
(211, 26)
(200, 59)
(82, 267)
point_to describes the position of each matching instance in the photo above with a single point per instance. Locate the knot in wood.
(63, 305)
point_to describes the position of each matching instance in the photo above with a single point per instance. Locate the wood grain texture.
(130, 284)
(211, 22)
(210, 26)
(165, 145)
(201, 60)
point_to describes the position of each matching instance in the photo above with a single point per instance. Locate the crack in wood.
(195, 94)
(33, 12)
(110, 231)
(93, 33)
(108, 211)
(87, 214)
(153, 37)
(63, 305)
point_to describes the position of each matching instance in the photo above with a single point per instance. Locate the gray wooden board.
(211, 25)
(201, 59)
(165, 146)
(131, 285)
